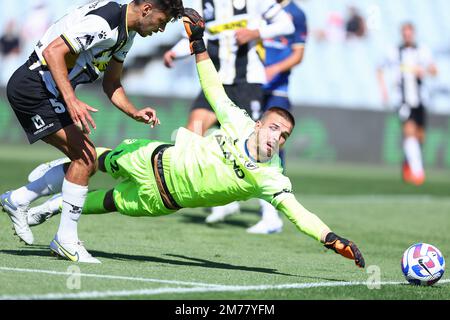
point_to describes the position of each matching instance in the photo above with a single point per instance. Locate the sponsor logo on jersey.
(228, 157)
(234, 25)
(85, 41)
(94, 5)
(250, 165)
(101, 63)
(102, 35)
(284, 191)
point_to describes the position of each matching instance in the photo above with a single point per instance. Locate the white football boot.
(267, 227)
(39, 214)
(220, 213)
(74, 251)
(18, 216)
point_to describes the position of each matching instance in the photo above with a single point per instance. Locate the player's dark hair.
(173, 7)
(282, 112)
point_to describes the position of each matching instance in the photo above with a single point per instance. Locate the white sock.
(413, 154)
(73, 196)
(49, 183)
(269, 213)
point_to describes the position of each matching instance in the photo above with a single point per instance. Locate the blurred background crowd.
(347, 41)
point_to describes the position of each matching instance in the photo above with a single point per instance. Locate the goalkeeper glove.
(345, 248)
(195, 27)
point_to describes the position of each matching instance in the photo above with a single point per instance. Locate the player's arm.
(279, 23)
(55, 58)
(297, 43)
(179, 50)
(295, 58)
(209, 78)
(382, 85)
(432, 69)
(311, 225)
(113, 88)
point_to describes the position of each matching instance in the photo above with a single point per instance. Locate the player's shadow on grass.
(43, 251)
(199, 219)
(187, 261)
(230, 221)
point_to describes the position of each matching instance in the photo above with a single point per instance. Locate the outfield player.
(237, 162)
(80, 47)
(412, 64)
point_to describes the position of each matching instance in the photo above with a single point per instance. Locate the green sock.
(94, 202)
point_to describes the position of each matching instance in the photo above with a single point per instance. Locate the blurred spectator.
(35, 24)
(334, 30)
(10, 51)
(10, 40)
(355, 25)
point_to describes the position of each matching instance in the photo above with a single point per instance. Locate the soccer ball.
(423, 264)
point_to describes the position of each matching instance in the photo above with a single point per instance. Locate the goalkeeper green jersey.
(217, 169)
(206, 171)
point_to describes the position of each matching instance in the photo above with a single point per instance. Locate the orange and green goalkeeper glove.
(195, 27)
(345, 248)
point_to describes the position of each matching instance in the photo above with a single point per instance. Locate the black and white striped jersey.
(95, 33)
(402, 61)
(223, 17)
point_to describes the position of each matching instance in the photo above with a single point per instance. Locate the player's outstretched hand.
(195, 28)
(80, 114)
(345, 248)
(147, 115)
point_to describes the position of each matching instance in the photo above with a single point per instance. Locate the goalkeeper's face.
(272, 131)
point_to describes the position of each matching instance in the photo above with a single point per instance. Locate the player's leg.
(413, 153)
(40, 115)
(43, 168)
(97, 202)
(220, 213)
(201, 116)
(270, 221)
(412, 119)
(78, 147)
(22, 92)
(119, 162)
(48, 183)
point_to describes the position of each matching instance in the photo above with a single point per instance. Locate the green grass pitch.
(179, 257)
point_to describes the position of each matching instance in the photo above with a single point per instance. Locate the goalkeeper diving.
(239, 161)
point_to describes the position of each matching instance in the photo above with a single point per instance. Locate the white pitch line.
(151, 292)
(111, 277)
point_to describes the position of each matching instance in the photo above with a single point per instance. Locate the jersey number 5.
(58, 106)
